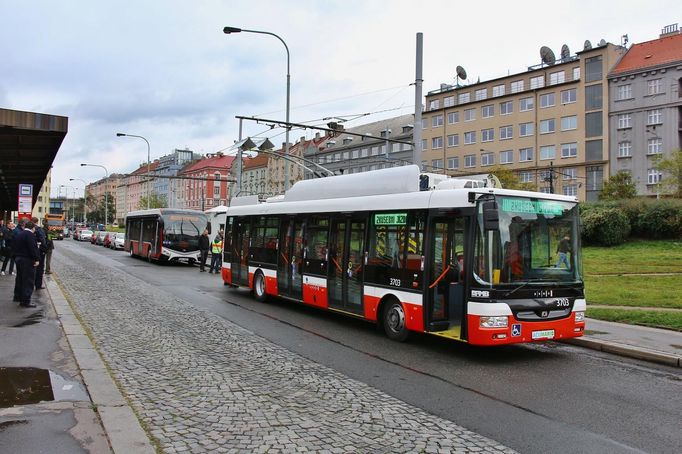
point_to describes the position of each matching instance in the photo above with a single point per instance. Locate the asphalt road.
(534, 398)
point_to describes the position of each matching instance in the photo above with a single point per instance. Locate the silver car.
(85, 235)
(118, 241)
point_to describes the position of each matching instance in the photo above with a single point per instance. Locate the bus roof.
(163, 211)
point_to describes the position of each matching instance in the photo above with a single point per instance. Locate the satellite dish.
(602, 42)
(587, 45)
(565, 53)
(461, 73)
(547, 56)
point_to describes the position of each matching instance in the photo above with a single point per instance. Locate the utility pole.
(417, 131)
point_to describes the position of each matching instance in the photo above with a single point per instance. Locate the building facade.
(255, 177)
(206, 183)
(170, 165)
(95, 192)
(42, 205)
(548, 124)
(645, 119)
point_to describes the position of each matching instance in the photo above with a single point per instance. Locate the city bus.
(164, 234)
(450, 258)
(55, 225)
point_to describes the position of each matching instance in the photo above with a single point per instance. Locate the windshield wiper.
(521, 286)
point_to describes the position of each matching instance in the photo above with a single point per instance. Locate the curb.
(629, 351)
(119, 422)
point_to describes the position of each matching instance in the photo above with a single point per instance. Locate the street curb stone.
(629, 351)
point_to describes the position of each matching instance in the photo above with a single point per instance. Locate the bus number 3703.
(394, 282)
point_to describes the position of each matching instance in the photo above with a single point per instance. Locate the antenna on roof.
(624, 40)
(587, 45)
(461, 74)
(547, 56)
(565, 53)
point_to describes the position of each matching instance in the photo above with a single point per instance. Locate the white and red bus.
(475, 264)
(165, 234)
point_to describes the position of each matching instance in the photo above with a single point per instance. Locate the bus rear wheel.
(259, 287)
(394, 321)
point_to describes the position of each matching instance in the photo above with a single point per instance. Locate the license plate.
(544, 334)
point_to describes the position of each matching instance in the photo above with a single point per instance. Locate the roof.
(259, 161)
(212, 162)
(657, 52)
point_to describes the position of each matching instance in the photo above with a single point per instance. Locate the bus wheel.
(394, 321)
(130, 252)
(259, 287)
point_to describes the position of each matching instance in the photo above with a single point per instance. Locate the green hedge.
(605, 227)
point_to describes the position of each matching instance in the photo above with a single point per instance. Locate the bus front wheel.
(394, 321)
(259, 287)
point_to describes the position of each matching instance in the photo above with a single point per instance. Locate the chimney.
(317, 136)
(669, 30)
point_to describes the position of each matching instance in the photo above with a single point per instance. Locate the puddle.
(30, 385)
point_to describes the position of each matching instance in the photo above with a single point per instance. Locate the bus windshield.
(182, 231)
(537, 241)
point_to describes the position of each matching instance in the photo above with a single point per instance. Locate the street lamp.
(120, 134)
(106, 193)
(230, 30)
(85, 196)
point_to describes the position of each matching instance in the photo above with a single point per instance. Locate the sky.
(164, 69)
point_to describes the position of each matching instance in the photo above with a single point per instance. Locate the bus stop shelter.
(29, 142)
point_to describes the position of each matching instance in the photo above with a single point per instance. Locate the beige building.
(549, 124)
(42, 205)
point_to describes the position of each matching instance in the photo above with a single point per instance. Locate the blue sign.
(25, 190)
(516, 330)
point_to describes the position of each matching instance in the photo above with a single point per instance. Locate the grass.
(636, 291)
(657, 319)
(643, 256)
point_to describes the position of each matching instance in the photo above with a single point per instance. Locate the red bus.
(475, 264)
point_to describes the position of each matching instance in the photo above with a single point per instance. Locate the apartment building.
(549, 124)
(42, 205)
(169, 166)
(296, 162)
(645, 119)
(206, 185)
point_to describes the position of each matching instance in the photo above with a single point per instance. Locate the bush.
(604, 226)
(662, 219)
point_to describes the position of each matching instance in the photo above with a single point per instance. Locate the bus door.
(240, 252)
(445, 275)
(346, 264)
(290, 260)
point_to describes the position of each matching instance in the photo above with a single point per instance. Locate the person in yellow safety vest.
(216, 255)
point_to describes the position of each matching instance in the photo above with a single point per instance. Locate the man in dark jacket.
(41, 238)
(27, 258)
(204, 244)
(6, 251)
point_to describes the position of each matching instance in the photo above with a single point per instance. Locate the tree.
(155, 201)
(510, 180)
(618, 187)
(96, 209)
(672, 168)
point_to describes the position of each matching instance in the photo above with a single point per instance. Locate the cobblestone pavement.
(203, 384)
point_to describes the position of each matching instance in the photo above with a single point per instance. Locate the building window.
(506, 157)
(547, 126)
(624, 92)
(548, 152)
(653, 176)
(453, 163)
(526, 177)
(424, 144)
(481, 94)
(576, 73)
(469, 114)
(556, 78)
(464, 97)
(498, 90)
(653, 117)
(437, 164)
(453, 117)
(425, 123)
(593, 69)
(434, 104)
(537, 82)
(487, 135)
(356, 154)
(517, 86)
(593, 97)
(624, 121)
(571, 189)
(362, 169)
(570, 173)
(569, 150)
(569, 123)
(624, 149)
(568, 96)
(546, 100)
(526, 129)
(470, 160)
(506, 108)
(216, 191)
(469, 137)
(546, 190)
(526, 104)
(525, 154)
(453, 140)
(436, 121)
(487, 111)
(436, 142)
(654, 146)
(594, 124)
(594, 150)
(506, 132)
(653, 87)
(487, 159)
(449, 101)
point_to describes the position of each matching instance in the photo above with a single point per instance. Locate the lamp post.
(230, 30)
(106, 193)
(85, 197)
(120, 134)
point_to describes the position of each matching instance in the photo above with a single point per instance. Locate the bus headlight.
(580, 316)
(494, 322)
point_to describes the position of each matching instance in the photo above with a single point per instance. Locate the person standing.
(7, 249)
(204, 244)
(27, 257)
(50, 237)
(216, 252)
(563, 249)
(41, 238)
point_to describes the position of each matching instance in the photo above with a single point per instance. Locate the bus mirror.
(491, 219)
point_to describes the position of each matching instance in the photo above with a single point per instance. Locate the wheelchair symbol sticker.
(516, 330)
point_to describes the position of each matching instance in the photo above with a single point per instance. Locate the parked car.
(99, 237)
(84, 235)
(118, 241)
(106, 241)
